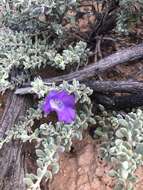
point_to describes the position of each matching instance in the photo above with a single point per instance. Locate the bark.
(115, 86)
(12, 165)
(118, 102)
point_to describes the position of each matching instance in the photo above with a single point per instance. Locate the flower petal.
(67, 115)
(51, 94)
(61, 102)
(67, 99)
(47, 107)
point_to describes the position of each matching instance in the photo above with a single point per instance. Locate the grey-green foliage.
(35, 38)
(52, 138)
(31, 37)
(30, 42)
(30, 15)
(23, 127)
(122, 145)
(18, 51)
(129, 14)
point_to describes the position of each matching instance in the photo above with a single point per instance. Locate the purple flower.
(62, 103)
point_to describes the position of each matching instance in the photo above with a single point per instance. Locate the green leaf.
(28, 181)
(39, 172)
(40, 153)
(122, 132)
(132, 178)
(98, 132)
(125, 165)
(119, 186)
(78, 135)
(139, 148)
(123, 156)
(39, 163)
(113, 150)
(101, 107)
(113, 173)
(48, 175)
(123, 122)
(124, 173)
(55, 168)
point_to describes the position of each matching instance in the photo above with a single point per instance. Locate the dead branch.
(115, 86)
(118, 102)
(123, 56)
(101, 87)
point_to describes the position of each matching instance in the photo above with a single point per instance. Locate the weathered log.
(12, 165)
(118, 102)
(126, 55)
